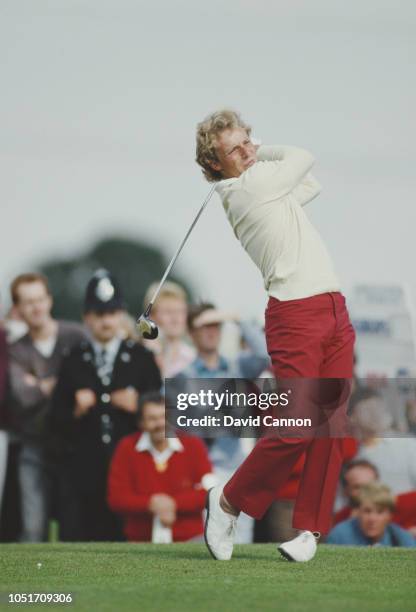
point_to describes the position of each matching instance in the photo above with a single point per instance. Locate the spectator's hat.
(103, 293)
(211, 316)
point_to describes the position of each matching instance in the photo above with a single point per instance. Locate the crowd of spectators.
(82, 428)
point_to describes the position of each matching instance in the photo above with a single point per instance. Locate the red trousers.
(306, 338)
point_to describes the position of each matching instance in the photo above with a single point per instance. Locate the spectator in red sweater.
(361, 472)
(159, 484)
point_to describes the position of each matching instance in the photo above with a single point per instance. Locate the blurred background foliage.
(135, 264)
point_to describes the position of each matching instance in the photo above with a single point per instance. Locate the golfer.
(308, 332)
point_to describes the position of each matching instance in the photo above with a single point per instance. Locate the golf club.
(148, 328)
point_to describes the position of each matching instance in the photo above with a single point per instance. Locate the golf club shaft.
(175, 257)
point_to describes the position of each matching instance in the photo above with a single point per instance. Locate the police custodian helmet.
(103, 293)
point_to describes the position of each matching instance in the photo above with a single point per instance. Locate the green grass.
(182, 577)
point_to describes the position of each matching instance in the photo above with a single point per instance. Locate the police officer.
(94, 405)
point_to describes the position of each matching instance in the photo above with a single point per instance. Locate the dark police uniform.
(89, 440)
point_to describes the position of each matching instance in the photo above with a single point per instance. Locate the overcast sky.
(98, 106)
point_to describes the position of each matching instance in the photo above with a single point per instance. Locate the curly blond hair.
(206, 133)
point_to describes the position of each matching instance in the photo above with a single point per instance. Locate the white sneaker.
(219, 527)
(302, 548)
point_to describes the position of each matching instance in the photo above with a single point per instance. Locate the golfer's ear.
(215, 166)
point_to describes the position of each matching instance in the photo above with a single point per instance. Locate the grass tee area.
(183, 577)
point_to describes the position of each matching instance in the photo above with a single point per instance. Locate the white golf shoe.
(219, 527)
(302, 548)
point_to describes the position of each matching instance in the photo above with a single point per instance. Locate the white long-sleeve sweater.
(264, 206)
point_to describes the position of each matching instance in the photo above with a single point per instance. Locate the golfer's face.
(235, 152)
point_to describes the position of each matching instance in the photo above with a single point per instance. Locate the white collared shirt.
(160, 533)
(145, 444)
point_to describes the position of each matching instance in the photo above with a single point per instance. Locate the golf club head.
(147, 328)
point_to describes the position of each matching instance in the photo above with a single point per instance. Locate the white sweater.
(264, 206)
